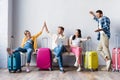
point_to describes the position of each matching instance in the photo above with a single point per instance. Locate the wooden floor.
(70, 74)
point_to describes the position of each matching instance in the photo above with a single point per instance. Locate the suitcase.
(116, 59)
(14, 62)
(116, 56)
(44, 56)
(91, 60)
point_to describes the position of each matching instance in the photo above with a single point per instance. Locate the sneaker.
(27, 70)
(108, 63)
(55, 60)
(76, 64)
(62, 70)
(79, 69)
(9, 51)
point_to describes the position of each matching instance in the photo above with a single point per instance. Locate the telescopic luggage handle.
(44, 42)
(11, 41)
(88, 44)
(116, 40)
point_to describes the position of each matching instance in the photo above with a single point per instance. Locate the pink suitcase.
(44, 58)
(116, 59)
(116, 56)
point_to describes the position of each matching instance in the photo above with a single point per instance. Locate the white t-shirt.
(100, 26)
(76, 41)
(57, 40)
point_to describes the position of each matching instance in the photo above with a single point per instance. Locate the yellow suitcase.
(91, 60)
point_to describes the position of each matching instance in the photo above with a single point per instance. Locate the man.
(59, 43)
(103, 36)
(29, 44)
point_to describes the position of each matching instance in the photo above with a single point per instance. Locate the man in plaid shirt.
(103, 36)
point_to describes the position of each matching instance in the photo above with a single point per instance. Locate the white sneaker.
(27, 70)
(108, 64)
(79, 69)
(62, 70)
(55, 60)
(76, 64)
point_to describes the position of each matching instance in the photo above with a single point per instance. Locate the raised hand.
(43, 27)
(45, 24)
(92, 13)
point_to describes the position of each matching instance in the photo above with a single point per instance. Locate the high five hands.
(45, 26)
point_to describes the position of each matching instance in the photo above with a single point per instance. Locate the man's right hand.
(92, 13)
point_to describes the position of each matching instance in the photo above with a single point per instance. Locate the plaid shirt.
(105, 24)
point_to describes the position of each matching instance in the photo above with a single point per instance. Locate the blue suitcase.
(14, 62)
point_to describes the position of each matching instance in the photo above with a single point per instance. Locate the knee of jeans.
(18, 48)
(30, 50)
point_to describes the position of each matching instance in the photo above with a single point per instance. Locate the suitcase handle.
(11, 41)
(88, 44)
(44, 42)
(116, 40)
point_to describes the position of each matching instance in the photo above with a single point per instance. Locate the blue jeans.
(28, 50)
(58, 53)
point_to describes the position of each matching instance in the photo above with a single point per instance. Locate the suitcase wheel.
(97, 69)
(9, 71)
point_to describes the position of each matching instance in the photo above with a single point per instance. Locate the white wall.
(5, 30)
(72, 14)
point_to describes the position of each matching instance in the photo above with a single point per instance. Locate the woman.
(75, 46)
(29, 44)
